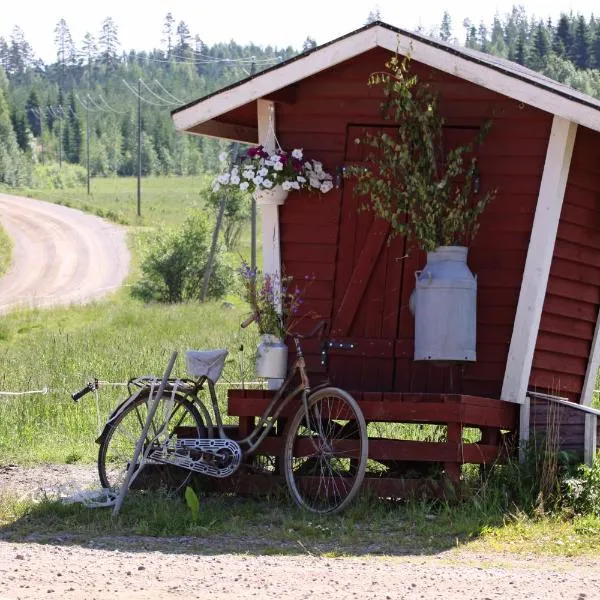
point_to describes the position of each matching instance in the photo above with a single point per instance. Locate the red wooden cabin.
(537, 253)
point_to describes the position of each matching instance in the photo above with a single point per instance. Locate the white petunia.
(317, 166)
(224, 179)
(244, 186)
(235, 180)
(297, 153)
(308, 166)
(263, 172)
(286, 185)
(295, 185)
(314, 182)
(248, 174)
(222, 156)
(267, 183)
(301, 179)
(326, 186)
(269, 163)
(257, 180)
(216, 187)
(275, 158)
(278, 166)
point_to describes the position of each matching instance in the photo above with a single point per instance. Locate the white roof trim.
(262, 85)
(379, 36)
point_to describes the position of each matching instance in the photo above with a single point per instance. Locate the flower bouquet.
(274, 304)
(259, 170)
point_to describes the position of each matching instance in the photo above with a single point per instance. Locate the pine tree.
(183, 39)
(11, 170)
(309, 44)
(65, 49)
(74, 132)
(108, 43)
(89, 49)
(33, 114)
(373, 16)
(20, 54)
(446, 27)
(563, 39)
(580, 52)
(168, 32)
(521, 52)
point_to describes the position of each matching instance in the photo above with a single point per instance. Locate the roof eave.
(439, 56)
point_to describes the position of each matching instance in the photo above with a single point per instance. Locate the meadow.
(59, 350)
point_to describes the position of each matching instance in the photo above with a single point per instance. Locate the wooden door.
(367, 292)
(371, 344)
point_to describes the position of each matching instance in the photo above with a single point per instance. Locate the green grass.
(61, 349)
(5, 251)
(164, 200)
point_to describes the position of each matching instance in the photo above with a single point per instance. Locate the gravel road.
(62, 566)
(60, 255)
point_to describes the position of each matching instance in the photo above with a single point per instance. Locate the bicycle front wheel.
(120, 437)
(325, 454)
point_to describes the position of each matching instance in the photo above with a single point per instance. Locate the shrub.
(53, 176)
(174, 264)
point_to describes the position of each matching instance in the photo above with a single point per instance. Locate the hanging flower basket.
(261, 171)
(272, 197)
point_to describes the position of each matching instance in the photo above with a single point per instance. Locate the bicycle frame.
(275, 407)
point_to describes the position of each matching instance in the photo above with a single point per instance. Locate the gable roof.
(485, 70)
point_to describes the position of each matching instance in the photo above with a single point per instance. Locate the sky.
(278, 23)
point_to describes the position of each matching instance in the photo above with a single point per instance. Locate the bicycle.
(325, 442)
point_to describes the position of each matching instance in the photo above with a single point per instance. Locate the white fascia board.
(490, 78)
(363, 41)
(539, 260)
(274, 80)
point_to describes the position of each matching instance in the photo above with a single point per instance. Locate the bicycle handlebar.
(248, 321)
(90, 387)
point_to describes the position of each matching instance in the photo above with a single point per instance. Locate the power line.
(114, 110)
(162, 87)
(140, 97)
(166, 102)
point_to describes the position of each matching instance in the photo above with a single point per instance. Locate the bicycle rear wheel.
(119, 439)
(325, 456)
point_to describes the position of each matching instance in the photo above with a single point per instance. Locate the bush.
(53, 176)
(236, 215)
(174, 264)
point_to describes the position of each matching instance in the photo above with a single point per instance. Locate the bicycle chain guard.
(220, 458)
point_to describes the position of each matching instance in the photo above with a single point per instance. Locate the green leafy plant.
(426, 193)
(175, 261)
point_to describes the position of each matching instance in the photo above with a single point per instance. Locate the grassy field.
(59, 350)
(5, 251)
(164, 200)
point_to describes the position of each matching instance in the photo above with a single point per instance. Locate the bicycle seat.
(206, 363)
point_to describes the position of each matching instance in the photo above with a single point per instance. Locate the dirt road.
(146, 568)
(60, 255)
(42, 565)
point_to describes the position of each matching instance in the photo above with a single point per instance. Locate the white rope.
(42, 391)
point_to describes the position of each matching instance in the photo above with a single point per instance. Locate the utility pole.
(139, 169)
(87, 145)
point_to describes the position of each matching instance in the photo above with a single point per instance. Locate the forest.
(94, 104)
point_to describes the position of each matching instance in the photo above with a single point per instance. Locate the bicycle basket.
(206, 363)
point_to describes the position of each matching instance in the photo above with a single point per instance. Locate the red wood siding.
(573, 295)
(322, 242)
